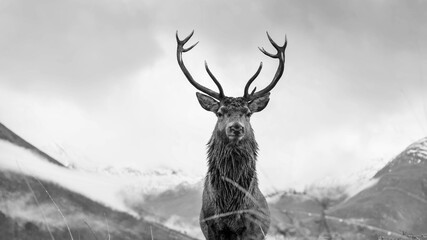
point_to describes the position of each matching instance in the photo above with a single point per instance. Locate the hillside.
(8, 135)
(398, 202)
(393, 205)
(26, 208)
(33, 208)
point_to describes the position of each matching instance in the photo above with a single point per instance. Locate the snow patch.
(418, 149)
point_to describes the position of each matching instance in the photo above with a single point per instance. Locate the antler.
(180, 49)
(281, 56)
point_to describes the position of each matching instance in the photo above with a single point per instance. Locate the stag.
(233, 206)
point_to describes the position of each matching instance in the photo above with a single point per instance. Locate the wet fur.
(234, 161)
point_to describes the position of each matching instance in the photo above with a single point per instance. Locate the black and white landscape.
(102, 136)
(42, 198)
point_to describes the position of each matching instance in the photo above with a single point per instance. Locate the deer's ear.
(208, 103)
(258, 104)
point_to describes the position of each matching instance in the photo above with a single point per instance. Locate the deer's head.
(233, 113)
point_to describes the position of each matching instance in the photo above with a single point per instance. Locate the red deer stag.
(233, 206)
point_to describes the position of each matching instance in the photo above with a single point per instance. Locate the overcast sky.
(100, 79)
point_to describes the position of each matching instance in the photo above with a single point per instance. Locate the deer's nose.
(237, 128)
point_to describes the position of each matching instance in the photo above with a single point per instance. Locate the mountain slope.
(395, 200)
(8, 135)
(177, 208)
(29, 205)
(34, 208)
(398, 202)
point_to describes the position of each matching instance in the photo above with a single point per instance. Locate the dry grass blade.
(38, 205)
(57, 208)
(349, 222)
(151, 231)
(262, 231)
(37, 201)
(108, 227)
(227, 214)
(91, 230)
(248, 194)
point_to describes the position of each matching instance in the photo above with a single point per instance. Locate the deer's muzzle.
(235, 131)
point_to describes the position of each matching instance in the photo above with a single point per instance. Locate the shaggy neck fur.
(231, 161)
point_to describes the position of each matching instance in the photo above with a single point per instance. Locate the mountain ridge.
(10, 136)
(398, 201)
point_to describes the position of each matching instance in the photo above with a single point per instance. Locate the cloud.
(22, 207)
(115, 191)
(74, 48)
(354, 51)
(86, 49)
(102, 77)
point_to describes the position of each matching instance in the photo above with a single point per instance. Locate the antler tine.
(180, 49)
(221, 91)
(246, 94)
(266, 53)
(280, 49)
(272, 41)
(279, 55)
(184, 41)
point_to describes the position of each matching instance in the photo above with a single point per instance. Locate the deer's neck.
(231, 170)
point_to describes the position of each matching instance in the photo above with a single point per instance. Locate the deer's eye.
(219, 114)
(249, 114)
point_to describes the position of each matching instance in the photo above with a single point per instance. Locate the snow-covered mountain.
(397, 202)
(414, 155)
